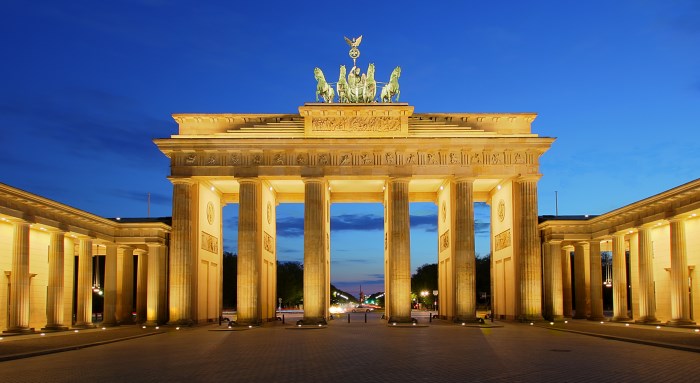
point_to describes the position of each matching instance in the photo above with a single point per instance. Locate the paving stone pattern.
(359, 352)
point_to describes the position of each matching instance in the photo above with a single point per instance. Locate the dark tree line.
(290, 282)
(426, 279)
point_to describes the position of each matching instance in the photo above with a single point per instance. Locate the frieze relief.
(269, 243)
(210, 243)
(503, 240)
(356, 158)
(356, 124)
(444, 240)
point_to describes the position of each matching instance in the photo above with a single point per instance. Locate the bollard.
(282, 318)
(348, 317)
(365, 316)
(430, 315)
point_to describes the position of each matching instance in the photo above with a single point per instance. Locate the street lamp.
(424, 294)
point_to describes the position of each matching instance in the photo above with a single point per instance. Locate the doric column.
(141, 285)
(155, 278)
(647, 298)
(464, 256)
(528, 247)
(399, 250)
(126, 298)
(249, 252)
(83, 317)
(566, 281)
(580, 279)
(314, 251)
(680, 297)
(163, 289)
(18, 320)
(110, 285)
(54, 290)
(596, 285)
(182, 253)
(553, 294)
(619, 278)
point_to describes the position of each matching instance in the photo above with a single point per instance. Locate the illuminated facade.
(43, 243)
(655, 248)
(336, 153)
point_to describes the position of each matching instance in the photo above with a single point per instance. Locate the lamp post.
(424, 294)
(435, 293)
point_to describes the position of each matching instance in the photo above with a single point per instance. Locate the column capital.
(399, 179)
(313, 180)
(678, 218)
(555, 241)
(249, 180)
(528, 177)
(182, 180)
(465, 179)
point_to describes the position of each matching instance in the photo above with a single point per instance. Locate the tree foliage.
(290, 283)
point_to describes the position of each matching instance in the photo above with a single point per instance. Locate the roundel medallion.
(501, 210)
(210, 213)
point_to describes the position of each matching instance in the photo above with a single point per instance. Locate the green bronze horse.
(322, 88)
(392, 88)
(342, 86)
(370, 90)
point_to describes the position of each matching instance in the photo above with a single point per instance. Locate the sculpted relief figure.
(355, 85)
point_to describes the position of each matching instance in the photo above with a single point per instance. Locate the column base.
(113, 324)
(556, 318)
(524, 318)
(681, 322)
(55, 327)
(401, 319)
(597, 318)
(181, 322)
(312, 322)
(469, 319)
(622, 319)
(647, 320)
(19, 330)
(83, 326)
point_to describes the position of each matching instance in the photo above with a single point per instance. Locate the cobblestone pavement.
(358, 351)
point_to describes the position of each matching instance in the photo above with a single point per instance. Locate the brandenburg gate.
(333, 153)
(357, 150)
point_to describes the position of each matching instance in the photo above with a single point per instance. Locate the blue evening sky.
(86, 86)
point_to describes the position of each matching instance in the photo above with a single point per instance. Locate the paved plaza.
(356, 351)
